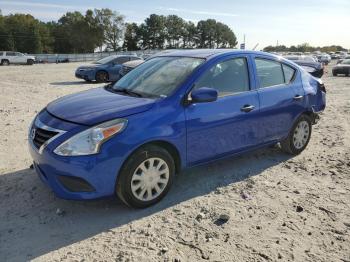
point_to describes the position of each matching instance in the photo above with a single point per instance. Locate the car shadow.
(34, 222)
(70, 83)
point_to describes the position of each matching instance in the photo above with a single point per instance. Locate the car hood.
(97, 105)
(91, 66)
(342, 65)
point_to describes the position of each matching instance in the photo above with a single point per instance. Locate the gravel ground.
(263, 206)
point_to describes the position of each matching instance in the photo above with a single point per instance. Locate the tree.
(175, 30)
(113, 26)
(213, 34)
(131, 37)
(225, 38)
(190, 36)
(153, 32)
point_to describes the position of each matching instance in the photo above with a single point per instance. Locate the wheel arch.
(101, 70)
(171, 148)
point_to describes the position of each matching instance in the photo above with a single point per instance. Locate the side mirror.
(204, 94)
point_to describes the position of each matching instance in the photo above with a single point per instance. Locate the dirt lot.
(280, 208)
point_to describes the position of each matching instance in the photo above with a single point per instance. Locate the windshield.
(346, 62)
(159, 76)
(104, 60)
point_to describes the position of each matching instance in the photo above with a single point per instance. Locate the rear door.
(281, 97)
(11, 56)
(226, 125)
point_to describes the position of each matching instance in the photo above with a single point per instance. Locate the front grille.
(41, 136)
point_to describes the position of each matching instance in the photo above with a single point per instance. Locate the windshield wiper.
(127, 91)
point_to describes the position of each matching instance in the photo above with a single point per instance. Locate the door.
(229, 124)
(281, 98)
(19, 58)
(11, 56)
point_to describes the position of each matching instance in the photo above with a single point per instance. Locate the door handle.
(247, 108)
(298, 97)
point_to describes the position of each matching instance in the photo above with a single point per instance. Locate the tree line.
(106, 30)
(305, 47)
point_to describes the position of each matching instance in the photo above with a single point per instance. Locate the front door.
(229, 124)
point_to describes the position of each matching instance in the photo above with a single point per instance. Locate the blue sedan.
(104, 70)
(174, 111)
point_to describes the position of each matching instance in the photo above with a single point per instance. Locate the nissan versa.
(175, 110)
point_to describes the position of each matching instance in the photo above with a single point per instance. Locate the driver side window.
(228, 77)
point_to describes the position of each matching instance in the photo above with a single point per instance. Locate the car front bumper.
(88, 75)
(76, 177)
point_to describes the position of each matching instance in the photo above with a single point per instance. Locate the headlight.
(89, 141)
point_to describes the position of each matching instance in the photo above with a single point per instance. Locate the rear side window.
(288, 73)
(121, 60)
(228, 77)
(134, 58)
(1, 53)
(269, 72)
(10, 53)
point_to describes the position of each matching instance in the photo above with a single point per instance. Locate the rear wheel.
(146, 177)
(5, 62)
(299, 136)
(101, 76)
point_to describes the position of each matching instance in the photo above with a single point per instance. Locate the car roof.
(207, 53)
(116, 56)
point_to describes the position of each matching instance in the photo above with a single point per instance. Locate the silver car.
(10, 57)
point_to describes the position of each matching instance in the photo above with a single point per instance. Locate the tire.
(296, 142)
(335, 74)
(5, 62)
(101, 76)
(30, 62)
(132, 187)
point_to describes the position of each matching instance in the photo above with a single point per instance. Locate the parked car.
(335, 56)
(128, 66)
(341, 60)
(324, 58)
(10, 57)
(174, 111)
(104, 70)
(342, 68)
(310, 64)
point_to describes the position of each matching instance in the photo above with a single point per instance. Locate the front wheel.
(335, 74)
(101, 76)
(299, 136)
(30, 62)
(146, 177)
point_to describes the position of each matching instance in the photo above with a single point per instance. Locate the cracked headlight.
(89, 141)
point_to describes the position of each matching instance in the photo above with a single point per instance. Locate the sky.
(263, 22)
